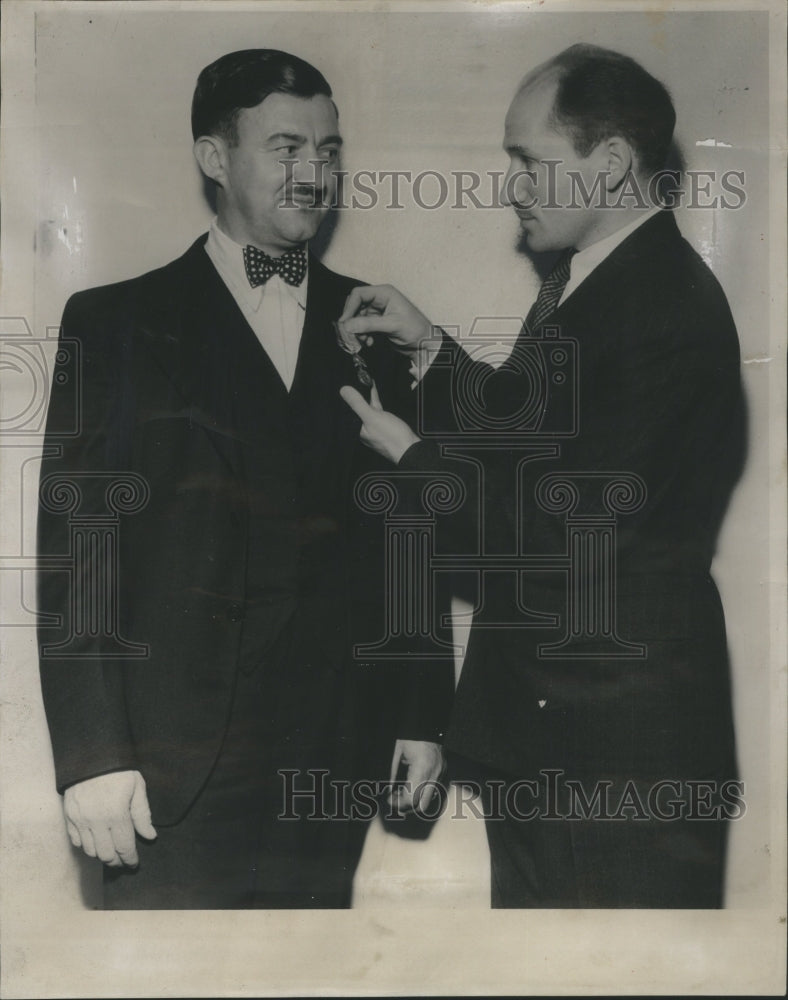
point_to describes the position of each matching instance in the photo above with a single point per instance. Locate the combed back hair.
(602, 93)
(242, 80)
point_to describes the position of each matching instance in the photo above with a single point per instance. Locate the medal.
(353, 348)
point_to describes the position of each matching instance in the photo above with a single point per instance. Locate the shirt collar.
(229, 258)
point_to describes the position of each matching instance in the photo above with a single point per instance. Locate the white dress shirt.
(275, 310)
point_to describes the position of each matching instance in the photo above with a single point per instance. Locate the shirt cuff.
(422, 360)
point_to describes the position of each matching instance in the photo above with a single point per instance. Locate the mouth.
(524, 216)
(306, 198)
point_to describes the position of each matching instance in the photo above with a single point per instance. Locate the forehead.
(288, 114)
(529, 113)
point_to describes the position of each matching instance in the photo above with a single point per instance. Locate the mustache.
(315, 196)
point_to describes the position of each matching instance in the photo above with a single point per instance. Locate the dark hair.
(242, 80)
(603, 93)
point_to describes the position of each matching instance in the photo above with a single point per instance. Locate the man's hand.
(381, 309)
(425, 763)
(382, 431)
(102, 814)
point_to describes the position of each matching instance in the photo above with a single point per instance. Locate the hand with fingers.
(424, 763)
(381, 310)
(103, 813)
(382, 431)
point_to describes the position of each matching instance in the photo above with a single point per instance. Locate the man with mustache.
(249, 574)
(603, 746)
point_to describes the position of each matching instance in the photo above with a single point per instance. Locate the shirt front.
(275, 311)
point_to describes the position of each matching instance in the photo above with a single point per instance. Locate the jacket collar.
(652, 236)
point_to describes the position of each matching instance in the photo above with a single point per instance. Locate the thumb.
(140, 810)
(395, 760)
(355, 401)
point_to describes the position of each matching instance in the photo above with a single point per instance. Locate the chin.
(305, 227)
(541, 243)
(535, 243)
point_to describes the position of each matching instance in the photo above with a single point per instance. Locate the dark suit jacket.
(173, 382)
(658, 395)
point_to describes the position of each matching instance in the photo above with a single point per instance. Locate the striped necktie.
(550, 292)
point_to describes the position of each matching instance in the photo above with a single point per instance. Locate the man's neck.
(239, 234)
(609, 221)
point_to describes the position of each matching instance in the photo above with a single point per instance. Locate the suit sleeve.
(662, 400)
(422, 684)
(671, 411)
(81, 685)
(437, 407)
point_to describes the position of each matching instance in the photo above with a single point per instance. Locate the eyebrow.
(296, 139)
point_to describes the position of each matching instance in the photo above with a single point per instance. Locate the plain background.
(112, 190)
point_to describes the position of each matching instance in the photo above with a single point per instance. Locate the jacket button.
(235, 613)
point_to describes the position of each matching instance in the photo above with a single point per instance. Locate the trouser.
(232, 850)
(546, 853)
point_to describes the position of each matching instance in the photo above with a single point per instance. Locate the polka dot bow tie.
(291, 266)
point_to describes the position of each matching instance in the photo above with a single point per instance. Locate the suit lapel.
(208, 352)
(324, 303)
(322, 369)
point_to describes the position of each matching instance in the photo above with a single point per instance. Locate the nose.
(309, 169)
(518, 188)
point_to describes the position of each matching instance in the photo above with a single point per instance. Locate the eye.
(287, 150)
(524, 161)
(329, 153)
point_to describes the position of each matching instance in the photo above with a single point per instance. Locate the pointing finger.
(355, 401)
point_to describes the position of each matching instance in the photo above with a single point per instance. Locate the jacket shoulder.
(153, 286)
(343, 284)
(670, 257)
(657, 287)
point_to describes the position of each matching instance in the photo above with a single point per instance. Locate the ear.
(619, 159)
(211, 154)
